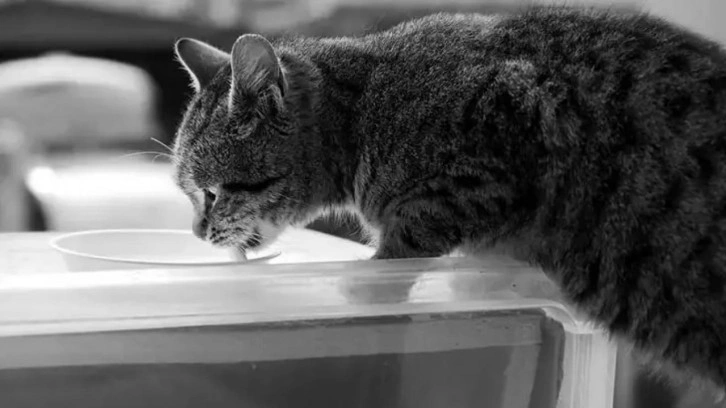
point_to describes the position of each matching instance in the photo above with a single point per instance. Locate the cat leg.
(416, 229)
(421, 228)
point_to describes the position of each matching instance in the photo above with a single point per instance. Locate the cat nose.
(199, 227)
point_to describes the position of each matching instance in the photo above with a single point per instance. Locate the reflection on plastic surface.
(490, 359)
(258, 293)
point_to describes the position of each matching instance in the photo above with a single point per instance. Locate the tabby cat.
(595, 141)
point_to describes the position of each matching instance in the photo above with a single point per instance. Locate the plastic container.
(473, 333)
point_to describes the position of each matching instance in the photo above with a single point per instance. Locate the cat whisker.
(162, 144)
(170, 157)
(156, 155)
(287, 197)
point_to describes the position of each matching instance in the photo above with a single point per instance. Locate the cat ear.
(255, 66)
(201, 60)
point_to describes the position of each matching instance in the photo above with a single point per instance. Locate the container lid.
(252, 294)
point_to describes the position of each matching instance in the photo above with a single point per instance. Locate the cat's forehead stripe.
(204, 109)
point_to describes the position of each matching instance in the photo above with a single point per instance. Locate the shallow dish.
(142, 249)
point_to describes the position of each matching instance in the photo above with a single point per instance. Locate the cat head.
(236, 148)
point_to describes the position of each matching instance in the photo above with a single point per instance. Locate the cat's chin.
(243, 248)
(245, 245)
(268, 234)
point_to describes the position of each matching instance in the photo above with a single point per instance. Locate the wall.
(707, 17)
(704, 16)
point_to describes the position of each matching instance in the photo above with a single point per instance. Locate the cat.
(593, 141)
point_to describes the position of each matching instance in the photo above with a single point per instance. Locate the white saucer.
(142, 249)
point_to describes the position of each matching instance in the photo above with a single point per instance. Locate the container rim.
(57, 244)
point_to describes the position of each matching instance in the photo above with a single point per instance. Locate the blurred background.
(90, 95)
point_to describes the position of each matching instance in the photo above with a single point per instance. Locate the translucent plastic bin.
(473, 334)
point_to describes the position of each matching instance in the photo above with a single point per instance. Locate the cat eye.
(255, 187)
